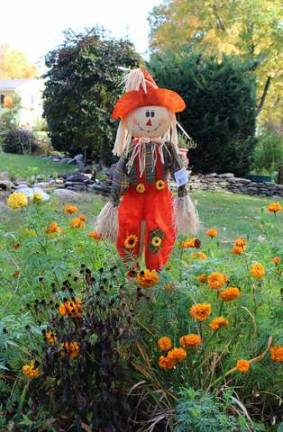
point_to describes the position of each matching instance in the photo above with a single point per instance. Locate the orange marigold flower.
(276, 353)
(199, 255)
(230, 294)
(238, 250)
(166, 363)
(218, 322)
(202, 278)
(191, 243)
(94, 235)
(70, 209)
(72, 308)
(72, 349)
(200, 311)
(53, 228)
(169, 287)
(190, 340)
(131, 241)
(274, 207)
(212, 232)
(50, 337)
(276, 260)
(177, 354)
(77, 223)
(257, 270)
(83, 218)
(164, 343)
(216, 280)
(31, 369)
(240, 242)
(8, 102)
(147, 278)
(243, 366)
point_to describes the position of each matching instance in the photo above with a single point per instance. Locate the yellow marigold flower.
(53, 228)
(30, 232)
(200, 311)
(218, 322)
(17, 200)
(70, 209)
(212, 232)
(191, 243)
(72, 349)
(190, 340)
(257, 270)
(160, 185)
(230, 294)
(164, 343)
(216, 280)
(202, 278)
(276, 260)
(8, 102)
(31, 370)
(50, 337)
(199, 255)
(166, 363)
(38, 197)
(83, 218)
(156, 241)
(72, 308)
(243, 366)
(177, 354)
(147, 278)
(276, 353)
(274, 207)
(94, 235)
(77, 223)
(140, 188)
(131, 241)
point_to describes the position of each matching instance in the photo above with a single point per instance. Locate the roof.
(13, 84)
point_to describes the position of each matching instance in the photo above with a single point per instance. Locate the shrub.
(81, 89)
(221, 107)
(19, 141)
(268, 153)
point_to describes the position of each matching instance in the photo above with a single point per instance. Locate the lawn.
(24, 166)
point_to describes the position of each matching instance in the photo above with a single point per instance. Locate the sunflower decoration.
(160, 185)
(140, 188)
(131, 242)
(155, 240)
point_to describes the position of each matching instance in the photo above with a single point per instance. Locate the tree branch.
(264, 94)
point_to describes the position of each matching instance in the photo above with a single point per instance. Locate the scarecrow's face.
(149, 121)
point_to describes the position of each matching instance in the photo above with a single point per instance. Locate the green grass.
(24, 166)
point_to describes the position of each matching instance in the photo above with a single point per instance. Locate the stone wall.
(234, 184)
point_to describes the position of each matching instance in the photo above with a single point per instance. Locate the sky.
(36, 26)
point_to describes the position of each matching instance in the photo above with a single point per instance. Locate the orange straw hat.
(141, 90)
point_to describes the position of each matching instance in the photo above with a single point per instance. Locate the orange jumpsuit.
(146, 209)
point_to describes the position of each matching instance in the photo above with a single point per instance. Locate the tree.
(14, 64)
(221, 107)
(250, 28)
(81, 89)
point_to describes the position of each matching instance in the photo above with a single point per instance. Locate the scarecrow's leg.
(160, 228)
(130, 213)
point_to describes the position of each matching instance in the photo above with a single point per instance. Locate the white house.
(30, 93)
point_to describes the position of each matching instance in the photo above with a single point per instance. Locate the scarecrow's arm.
(120, 180)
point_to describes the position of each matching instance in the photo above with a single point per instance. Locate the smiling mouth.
(148, 130)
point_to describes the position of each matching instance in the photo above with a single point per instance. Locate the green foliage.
(9, 118)
(221, 107)
(81, 89)
(202, 412)
(19, 141)
(268, 153)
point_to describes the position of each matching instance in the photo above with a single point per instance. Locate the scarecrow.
(142, 216)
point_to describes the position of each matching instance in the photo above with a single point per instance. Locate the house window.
(2, 97)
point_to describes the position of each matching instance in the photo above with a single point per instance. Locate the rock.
(78, 178)
(67, 195)
(226, 175)
(6, 185)
(4, 175)
(43, 185)
(242, 180)
(27, 191)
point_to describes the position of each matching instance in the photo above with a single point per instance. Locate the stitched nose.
(148, 123)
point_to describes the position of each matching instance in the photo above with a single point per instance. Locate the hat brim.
(155, 97)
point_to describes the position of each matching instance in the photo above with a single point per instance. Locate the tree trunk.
(280, 175)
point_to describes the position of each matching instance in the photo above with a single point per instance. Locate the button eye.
(152, 113)
(147, 114)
